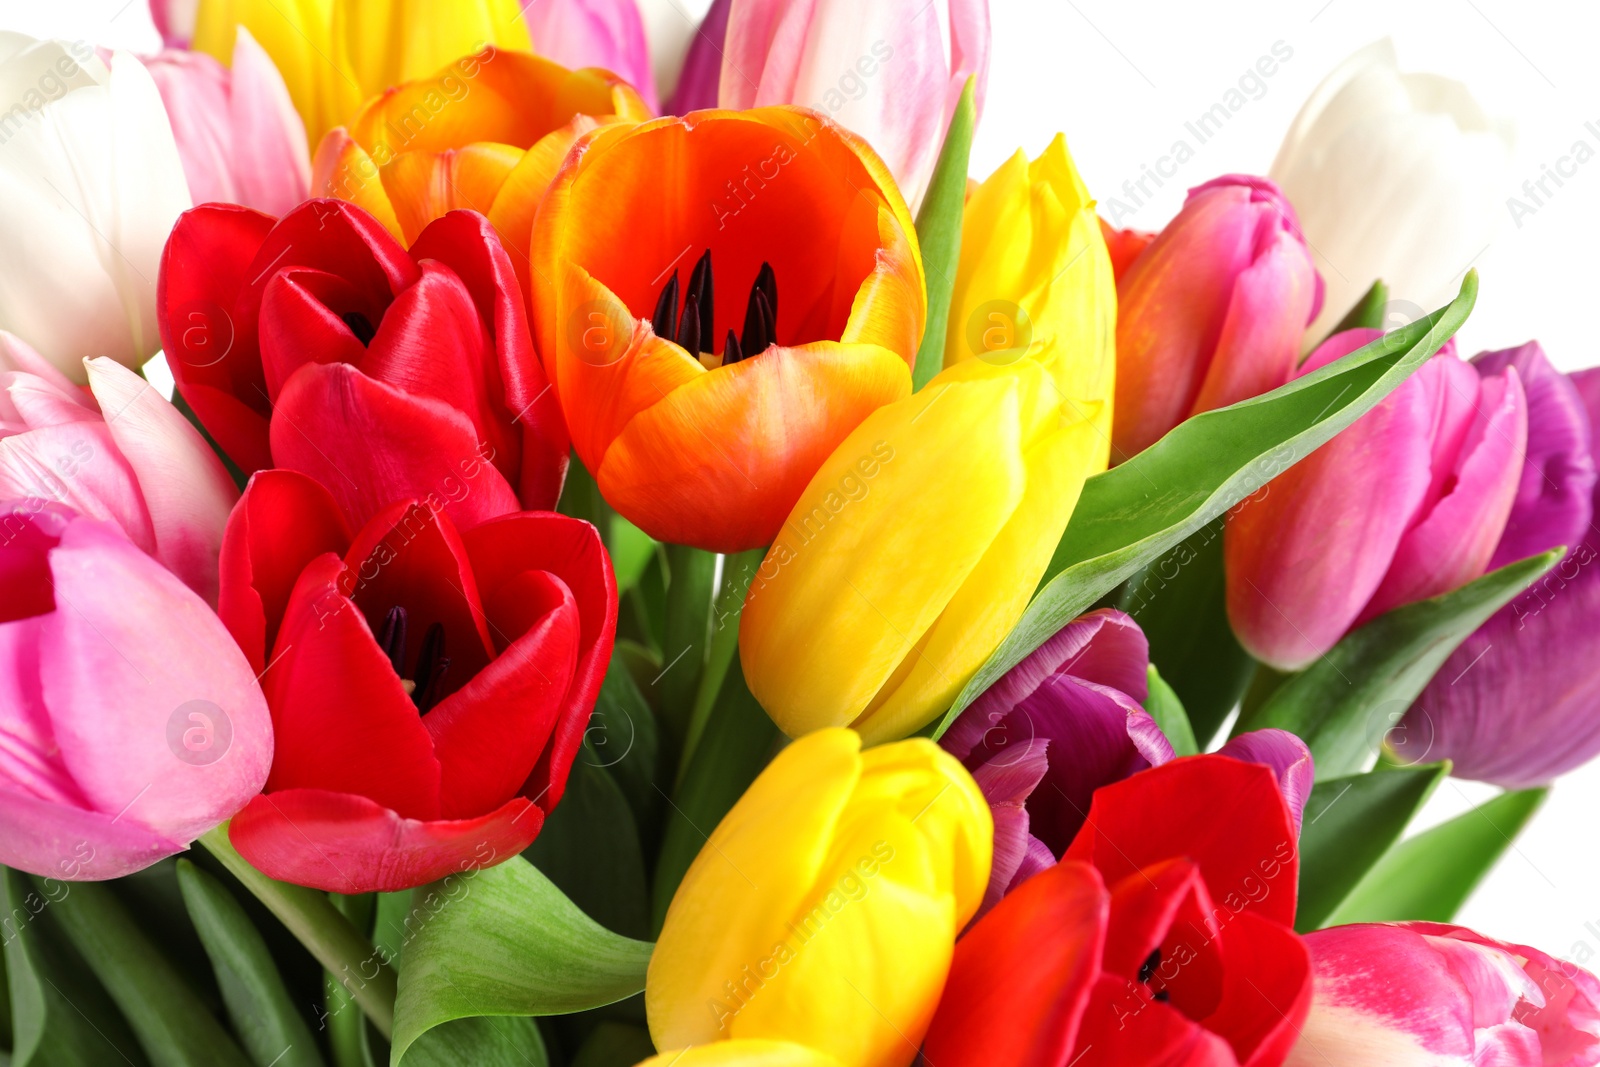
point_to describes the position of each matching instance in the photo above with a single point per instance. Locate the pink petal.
(57, 841)
(594, 33)
(270, 163)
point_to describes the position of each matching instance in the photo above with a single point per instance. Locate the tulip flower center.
(361, 326)
(691, 329)
(425, 682)
(1147, 971)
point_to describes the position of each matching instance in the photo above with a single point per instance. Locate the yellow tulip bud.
(824, 908)
(915, 548)
(744, 1054)
(1035, 275)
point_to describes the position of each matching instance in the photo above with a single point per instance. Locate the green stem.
(690, 578)
(328, 935)
(737, 571)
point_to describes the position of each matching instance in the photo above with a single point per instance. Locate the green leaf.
(630, 548)
(1166, 709)
(737, 745)
(1429, 877)
(1368, 312)
(60, 1015)
(589, 848)
(508, 1041)
(258, 1003)
(614, 1045)
(1344, 703)
(1179, 603)
(1349, 824)
(505, 942)
(690, 586)
(170, 1022)
(1134, 512)
(737, 572)
(939, 232)
(346, 1025)
(622, 738)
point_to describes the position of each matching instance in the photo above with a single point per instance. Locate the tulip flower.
(823, 908)
(486, 133)
(915, 549)
(93, 183)
(595, 33)
(174, 20)
(429, 685)
(237, 131)
(883, 69)
(1434, 995)
(1164, 936)
(124, 741)
(336, 53)
(719, 301)
(701, 73)
(1405, 504)
(1212, 311)
(1395, 176)
(1066, 721)
(317, 343)
(1515, 704)
(119, 453)
(744, 1054)
(1035, 276)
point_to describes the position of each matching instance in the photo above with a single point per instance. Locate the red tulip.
(429, 688)
(317, 343)
(1162, 937)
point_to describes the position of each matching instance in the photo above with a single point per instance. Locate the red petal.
(340, 719)
(349, 844)
(571, 550)
(489, 734)
(1122, 1027)
(372, 444)
(1242, 836)
(1020, 978)
(1165, 906)
(283, 521)
(302, 321)
(466, 242)
(1266, 991)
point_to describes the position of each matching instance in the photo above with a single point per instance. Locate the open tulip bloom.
(646, 562)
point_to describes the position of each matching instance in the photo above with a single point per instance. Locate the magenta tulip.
(702, 64)
(594, 33)
(1405, 504)
(131, 721)
(1435, 995)
(239, 136)
(1212, 311)
(117, 452)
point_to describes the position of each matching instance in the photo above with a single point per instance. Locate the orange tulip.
(487, 133)
(703, 420)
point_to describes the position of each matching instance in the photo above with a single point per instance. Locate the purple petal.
(1288, 757)
(1006, 779)
(1037, 858)
(1552, 505)
(702, 66)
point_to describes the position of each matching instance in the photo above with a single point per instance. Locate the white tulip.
(90, 186)
(1395, 176)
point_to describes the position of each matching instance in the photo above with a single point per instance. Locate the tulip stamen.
(761, 313)
(392, 637)
(432, 664)
(700, 296)
(691, 329)
(361, 326)
(665, 319)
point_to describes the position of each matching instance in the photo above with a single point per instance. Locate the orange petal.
(343, 169)
(425, 185)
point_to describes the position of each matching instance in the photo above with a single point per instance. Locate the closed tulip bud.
(1406, 503)
(824, 907)
(914, 550)
(1212, 311)
(1434, 995)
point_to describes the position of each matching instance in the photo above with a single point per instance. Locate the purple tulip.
(1407, 503)
(1518, 703)
(1066, 721)
(702, 65)
(131, 722)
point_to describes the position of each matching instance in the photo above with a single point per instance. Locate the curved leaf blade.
(939, 232)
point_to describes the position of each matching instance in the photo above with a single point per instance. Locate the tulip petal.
(1266, 989)
(1121, 1026)
(56, 841)
(595, 33)
(346, 843)
(1288, 757)
(343, 169)
(77, 464)
(305, 318)
(269, 140)
(425, 185)
(746, 1053)
(1165, 908)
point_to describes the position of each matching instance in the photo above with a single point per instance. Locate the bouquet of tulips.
(629, 555)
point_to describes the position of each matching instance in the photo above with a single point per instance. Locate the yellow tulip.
(824, 908)
(744, 1054)
(334, 54)
(1035, 275)
(915, 549)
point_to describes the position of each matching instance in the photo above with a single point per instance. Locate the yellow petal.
(386, 42)
(425, 185)
(342, 169)
(744, 1054)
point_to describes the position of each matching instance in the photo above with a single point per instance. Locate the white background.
(1121, 78)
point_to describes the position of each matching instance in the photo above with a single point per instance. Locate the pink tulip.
(1212, 311)
(1407, 503)
(1434, 995)
(594, 33)
(131, 722)
(238, 134)
(880, 69)
(118, 452)
(175, 20)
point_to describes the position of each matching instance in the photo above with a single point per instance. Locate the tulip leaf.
(505, 942)
(1368, 312)
(508, 1041)
(691, 589)
(1178, 601)
(939, 233)
(258, 1003)
(631, 549)
(1129, 516)
(172, 1025)
(1166, 709)
(1343, 704)
(622, 738)
(60, 1015)
(1349, 824)
(737, 572)
(1428, 877)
